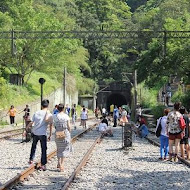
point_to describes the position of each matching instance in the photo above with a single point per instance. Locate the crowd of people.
(175, 131)
(168, 126)
(60, 119)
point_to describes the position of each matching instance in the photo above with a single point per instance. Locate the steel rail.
(24, 174)
(10, 131)
(17, 134)
(81, 164)
(158, 144)
(9, 136)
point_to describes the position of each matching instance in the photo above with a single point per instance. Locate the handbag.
(60, 134)
(182, 123)
(159, 129)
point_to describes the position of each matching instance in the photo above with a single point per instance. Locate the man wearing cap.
(41, 119)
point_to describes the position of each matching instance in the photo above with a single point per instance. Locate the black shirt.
(185, 117)
(27, 112)
(105, 121)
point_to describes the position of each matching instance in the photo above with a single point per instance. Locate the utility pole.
(42, 81)
(64, 86)
(135, 93)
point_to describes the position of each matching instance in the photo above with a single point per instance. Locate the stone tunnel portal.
(116, 99)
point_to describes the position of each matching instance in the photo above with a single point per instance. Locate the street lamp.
(42, 81)
(133, 84)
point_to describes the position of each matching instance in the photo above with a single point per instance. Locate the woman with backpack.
(164, 140)
(174, 131)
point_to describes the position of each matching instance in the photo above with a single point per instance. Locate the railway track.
(4, 135)
(155, 141)
(23, 175)
(10, 133)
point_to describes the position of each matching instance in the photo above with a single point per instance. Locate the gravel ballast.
(52, 178)
(139, 168)
(14, 155)
(111, 167)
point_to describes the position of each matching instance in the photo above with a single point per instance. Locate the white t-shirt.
(40, 126)
(84, 115)
(124, 113)
(102, 127)
(163, 124)
(103, 110)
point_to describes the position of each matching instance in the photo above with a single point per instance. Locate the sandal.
(61, 169)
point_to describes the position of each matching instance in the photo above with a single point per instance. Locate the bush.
(178, 96)
(186, 100)
(147, 97)
(158, 111)
(3, 88)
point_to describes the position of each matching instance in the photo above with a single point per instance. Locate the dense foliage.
(90, 62)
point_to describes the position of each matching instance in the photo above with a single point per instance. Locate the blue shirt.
(116, 113)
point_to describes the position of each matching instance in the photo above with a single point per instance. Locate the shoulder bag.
(60, 134)
(159, 129)
(182, 123)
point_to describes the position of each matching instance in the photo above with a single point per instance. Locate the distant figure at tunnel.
(104, 112)
(111, 109)
(115, 116)
(123, 119)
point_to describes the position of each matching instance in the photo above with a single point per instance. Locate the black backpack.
(159, 129)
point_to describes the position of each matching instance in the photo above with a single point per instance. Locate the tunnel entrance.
(116, 99)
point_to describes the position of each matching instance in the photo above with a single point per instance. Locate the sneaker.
(161, 158)
(171, 159)
(42, 168)
(30, 162)
(176, 159)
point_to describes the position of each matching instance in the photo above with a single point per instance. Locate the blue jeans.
(43, 142)
(164, 146)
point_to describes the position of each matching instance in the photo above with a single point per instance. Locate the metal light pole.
(135, 93)
(42, 81)
(64, 85)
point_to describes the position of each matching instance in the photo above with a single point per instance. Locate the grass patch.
(18, 95)
(3, 123)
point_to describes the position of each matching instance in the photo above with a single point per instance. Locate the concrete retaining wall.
(55, 97)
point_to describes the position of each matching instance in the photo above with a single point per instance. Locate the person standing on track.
(26, 114)
(123, 119)
(84, 117)
(12, 113)
(184, 141)
(67, 109)
(174, 131)
(115, 116)
(41, 119)
(111, 109)
(64, 147)
(164, 140)
(74, 115)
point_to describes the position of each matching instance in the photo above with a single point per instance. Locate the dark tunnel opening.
(116, 99)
